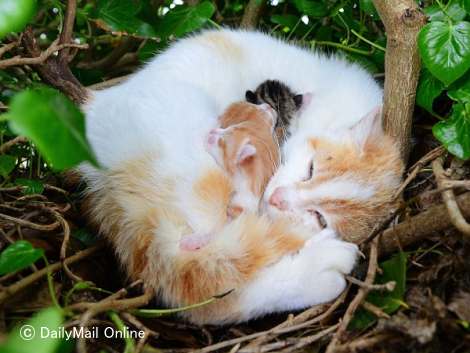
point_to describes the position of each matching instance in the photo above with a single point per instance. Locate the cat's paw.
(194, 241)
(329, 252)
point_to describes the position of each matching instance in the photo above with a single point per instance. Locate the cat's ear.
(246, 153)
(369, 127)
(302, 101)
(250, 97)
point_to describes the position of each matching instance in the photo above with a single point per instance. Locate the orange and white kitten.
(247, 150)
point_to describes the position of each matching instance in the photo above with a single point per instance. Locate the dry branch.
(8, 292)
(448, 197)
(416, 228)
(402, 20)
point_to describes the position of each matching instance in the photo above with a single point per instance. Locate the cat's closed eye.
(309, 171)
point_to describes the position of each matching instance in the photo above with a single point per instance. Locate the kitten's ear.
(250, 97)
(369, 127)
(302, 101)
(246, 153)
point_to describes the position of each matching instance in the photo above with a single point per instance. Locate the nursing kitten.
(246, 149)
(281, 98)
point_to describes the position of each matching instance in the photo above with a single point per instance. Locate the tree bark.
(433, 220)
(402, 20)
(252, 13)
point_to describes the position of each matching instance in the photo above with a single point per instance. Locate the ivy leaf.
(15, 15)
(454, 132)
(445, 49)
(288, 21)
(460, 90)
(31, 186)
(311, 8)
(17, 256)
(54, 124)
(465, 4)
(185, 19)
(454, 10)
(393, 269)
(368, 7)
(7, 164)
(429, 88)
(28, 338)
(121, 16)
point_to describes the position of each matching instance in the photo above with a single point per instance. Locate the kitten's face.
(246, 144)
(344, 180)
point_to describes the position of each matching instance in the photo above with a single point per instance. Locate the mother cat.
(158, 183)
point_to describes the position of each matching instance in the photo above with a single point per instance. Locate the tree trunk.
(402, 20)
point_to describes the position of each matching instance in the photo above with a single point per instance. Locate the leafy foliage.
(54, 124)
(17, 256)
(15, 14)
(393, 269)
(444, 44)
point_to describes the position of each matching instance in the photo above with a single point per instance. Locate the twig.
(389, 286)
(9, 291)
(430, 156)
(449, 199)
(362, 343)
(434, 219)
(67, 28)
(375, 310)
(108, 83)
(275, 331)
(358, 299)
(112, 58)
(9, 144)
(28, 224)
(93, 309)
(53, 48)
(7, 47)
(252, 13)
(305, 341)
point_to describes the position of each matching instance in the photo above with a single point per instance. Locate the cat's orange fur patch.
(223, 45)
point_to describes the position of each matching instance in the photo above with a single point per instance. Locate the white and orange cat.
(338, 176)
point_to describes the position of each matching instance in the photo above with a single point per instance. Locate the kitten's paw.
(194, 241)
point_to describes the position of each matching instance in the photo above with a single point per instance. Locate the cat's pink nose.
(277, 199)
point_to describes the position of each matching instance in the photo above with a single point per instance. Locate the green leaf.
(121, 16)
(15, 15)
(393, 269)
(27, 338)
(429, 88)
(465, 4)
(460, 90)
(454, 10)
(31, 186)
(17, 256)
(368, 7)
(85, 237)
(7, 164)
(54, 124)
(454, 132)
(445, 49)
(184, 19)
(288, 21)
(315, 9)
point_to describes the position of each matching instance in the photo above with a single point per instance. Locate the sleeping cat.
(158, 182)
(281, 98)
(245, 148)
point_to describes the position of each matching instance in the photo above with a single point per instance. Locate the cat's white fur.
(170, 105)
